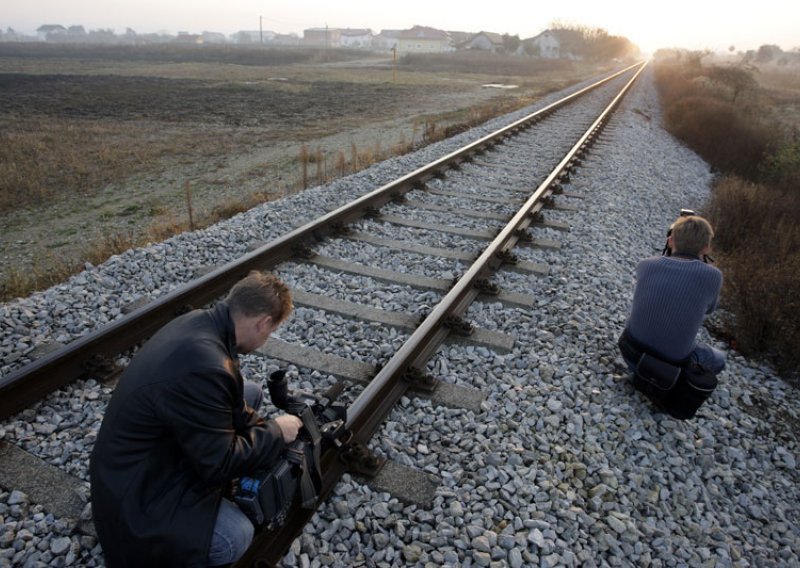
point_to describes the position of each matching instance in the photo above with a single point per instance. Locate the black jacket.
(176, 431)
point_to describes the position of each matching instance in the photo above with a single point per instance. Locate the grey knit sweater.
(671, 297)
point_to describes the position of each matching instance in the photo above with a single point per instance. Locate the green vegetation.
(748, 134)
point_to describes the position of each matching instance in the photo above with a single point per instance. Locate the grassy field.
(98, 144)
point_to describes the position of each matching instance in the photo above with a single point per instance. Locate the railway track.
(466, 212)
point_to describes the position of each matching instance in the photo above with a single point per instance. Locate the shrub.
(782, 167)
(757, 234)
(755, 207)
(720, 134)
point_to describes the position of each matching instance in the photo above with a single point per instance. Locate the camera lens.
(278, 387)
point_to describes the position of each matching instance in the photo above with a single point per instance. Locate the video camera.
(266, 496)
(329, 417)
(668, 250)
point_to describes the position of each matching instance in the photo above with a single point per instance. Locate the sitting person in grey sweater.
(671, 297)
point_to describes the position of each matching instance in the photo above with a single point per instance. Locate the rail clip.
(523, 236)
(507, 257)
(101, 368)
(459, 326)
(305, 252)
(537, 217)
(486, 286)
(359, 460)
(341, 229)
(419, 380)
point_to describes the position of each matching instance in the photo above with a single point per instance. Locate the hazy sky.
(696, 24)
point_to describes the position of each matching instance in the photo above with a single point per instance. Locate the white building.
(359, 39)
(554, 44)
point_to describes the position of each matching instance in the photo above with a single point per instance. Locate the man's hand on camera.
(290, 426)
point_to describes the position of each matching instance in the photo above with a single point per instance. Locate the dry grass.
(105, 140)
(432, 129)
(482, 63)
(42, 158)
(102, 163)
(720, 133)
(52, 268)
(178, 53)
(755, 206)
(732, 136)
(758, 236)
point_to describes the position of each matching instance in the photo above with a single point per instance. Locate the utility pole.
(261, 29)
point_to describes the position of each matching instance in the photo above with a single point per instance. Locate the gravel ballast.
(565, 466)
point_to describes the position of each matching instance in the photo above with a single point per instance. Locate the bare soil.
(146, 129)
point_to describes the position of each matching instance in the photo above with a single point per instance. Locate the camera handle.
(310, 475)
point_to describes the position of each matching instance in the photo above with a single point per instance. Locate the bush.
(754, 207)
(758, 237)
(720, 134)
(782, 167)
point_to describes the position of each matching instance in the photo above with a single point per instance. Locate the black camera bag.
(695, 384)
(678, 390)
(655, 377)
(266, 496)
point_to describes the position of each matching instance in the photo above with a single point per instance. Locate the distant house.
(554, 44)
(284, 39)
(214, 37)
(76, 32)
(387, 39)
(421, 39)
(322, 37)
(51, 32)
(187, 38)
(252, 36)
(356, 38)
(460, 38)
(485, 41)
(10, 35)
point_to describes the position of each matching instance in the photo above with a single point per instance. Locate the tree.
(767, 53)
(511, 43)
(596, 43)
(739, 79)
(532, 50)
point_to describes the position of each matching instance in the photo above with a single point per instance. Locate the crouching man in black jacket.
(179, 427)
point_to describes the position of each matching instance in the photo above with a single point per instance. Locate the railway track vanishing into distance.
(427, 190)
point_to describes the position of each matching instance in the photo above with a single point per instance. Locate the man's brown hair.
(260, 293)
(691, 234)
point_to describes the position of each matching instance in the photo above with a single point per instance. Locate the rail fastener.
(487, 287)
(420, 380)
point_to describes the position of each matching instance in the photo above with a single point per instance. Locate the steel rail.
(376, 401)
(35, 380)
